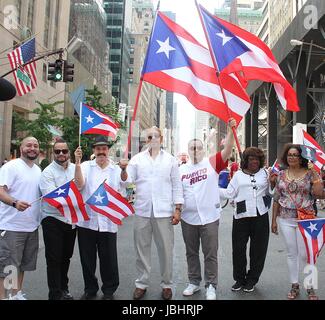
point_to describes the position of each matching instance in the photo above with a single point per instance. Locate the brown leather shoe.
(167, 293)
(139, 293)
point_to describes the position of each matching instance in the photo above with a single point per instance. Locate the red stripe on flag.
(106, 214)
(200, 102)
(302, 231)
(315, 249)
(80, 201)
(117, 196)
(101, 132)
(117, 209)
(55, 204)
(74, 217)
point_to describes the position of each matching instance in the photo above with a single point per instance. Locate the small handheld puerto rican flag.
(95, 122)
(68, 200)
(110, 203)
(313, 233)
(276, 167)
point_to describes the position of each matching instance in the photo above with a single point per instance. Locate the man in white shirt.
(19, 218)
(59, 235)
(158, 205)
(201, 213)
(99, 234)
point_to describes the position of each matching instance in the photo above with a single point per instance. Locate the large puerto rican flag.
(313, 233)
(320, 155)
(95, 122)
(110, 203)
(240, 52)
(68, 200)
(178, 63)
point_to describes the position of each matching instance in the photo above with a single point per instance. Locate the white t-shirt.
(22, 182)
(201, 191)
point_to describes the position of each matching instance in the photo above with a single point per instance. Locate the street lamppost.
(295, 42)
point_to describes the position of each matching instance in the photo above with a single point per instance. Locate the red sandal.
(311, 294)
(294, 292)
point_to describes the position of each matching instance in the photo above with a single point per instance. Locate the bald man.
(19, 219)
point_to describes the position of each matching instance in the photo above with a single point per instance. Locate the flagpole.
(80, 124)
(37, 200)
(214, 60)
(128, 147)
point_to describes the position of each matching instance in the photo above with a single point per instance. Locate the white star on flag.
(225, 38)
(60, 191)
(165, 47)
(99, 198)
(89, 119)
(312, 227)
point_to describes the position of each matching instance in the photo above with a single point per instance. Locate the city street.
(273, 285)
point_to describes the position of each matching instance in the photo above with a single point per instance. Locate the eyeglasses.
(154, 136)
(196, 148)
(63, 151)
(293, 155)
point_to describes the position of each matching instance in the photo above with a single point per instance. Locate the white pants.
(296, 249)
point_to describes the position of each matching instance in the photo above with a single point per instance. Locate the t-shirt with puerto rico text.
(201, 191)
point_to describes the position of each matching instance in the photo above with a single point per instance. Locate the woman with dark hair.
(250, 190)
(295, 188)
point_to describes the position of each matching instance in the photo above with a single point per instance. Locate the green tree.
(46, 114)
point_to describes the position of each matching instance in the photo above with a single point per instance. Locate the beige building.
(152, 102)
(48, 20)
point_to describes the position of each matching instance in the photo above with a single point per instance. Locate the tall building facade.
(48, 20)
(115, 31)
(91, 57)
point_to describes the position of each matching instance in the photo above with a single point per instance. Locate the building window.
(47, 23)
(30, 14)
(131, 60)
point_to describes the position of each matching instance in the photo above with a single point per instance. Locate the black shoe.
(237, 286)
(107, 297)
(248, 287)
(66, 295)
(88, 296)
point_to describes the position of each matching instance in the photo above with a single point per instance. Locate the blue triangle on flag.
(89, 119)
(99, 198)
(62, 191)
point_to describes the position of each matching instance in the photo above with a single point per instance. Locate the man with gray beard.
(59, 233)
(19, 218)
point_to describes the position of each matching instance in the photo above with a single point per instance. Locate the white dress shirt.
(158, 185)
(248, 192)
(53, 177)
(94, 176)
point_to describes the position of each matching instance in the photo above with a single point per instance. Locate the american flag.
(110, 203)
(313, 233)
(95, 122)
(309, 141)
(68, 200)
(18, 58)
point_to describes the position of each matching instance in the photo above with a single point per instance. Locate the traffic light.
(55, 71)
(68, 72)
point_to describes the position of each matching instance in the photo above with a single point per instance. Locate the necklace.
(292, 186)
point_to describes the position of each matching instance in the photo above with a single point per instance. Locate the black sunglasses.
(58, 151)
(198, 148)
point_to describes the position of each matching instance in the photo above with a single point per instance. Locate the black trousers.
(59, 240)
(104, 243)
(257, 229)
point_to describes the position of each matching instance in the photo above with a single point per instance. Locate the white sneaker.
(191, 289)
(211, 293)
(18, 296)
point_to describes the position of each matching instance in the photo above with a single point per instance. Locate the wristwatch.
(14, 203)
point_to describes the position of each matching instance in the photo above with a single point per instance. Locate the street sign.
(23, 77)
